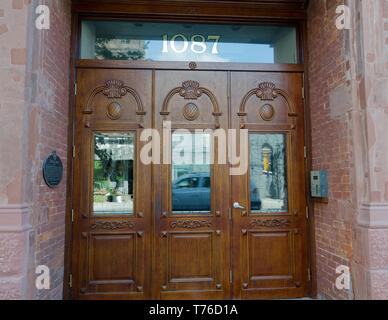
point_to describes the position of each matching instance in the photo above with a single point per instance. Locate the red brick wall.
(48, 131)
(331, 143)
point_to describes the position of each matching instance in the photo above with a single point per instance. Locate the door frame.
(258, 12)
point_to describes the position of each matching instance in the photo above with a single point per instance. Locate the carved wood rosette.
(265, 91)
(190, 224)
(113, 89)
(191, 90)
(113, 110)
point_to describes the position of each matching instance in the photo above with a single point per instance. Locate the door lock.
(236, 205)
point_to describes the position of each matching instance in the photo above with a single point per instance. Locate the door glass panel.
(125, 40)
(113, 173)
(268, 172)
(191, 174)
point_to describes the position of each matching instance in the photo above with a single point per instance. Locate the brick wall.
(331, 132)
(348, 71)
(48, 123)
(34, 93)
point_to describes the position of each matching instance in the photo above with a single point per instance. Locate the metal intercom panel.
(319, 184)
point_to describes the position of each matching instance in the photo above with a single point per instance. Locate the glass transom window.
(149, 41)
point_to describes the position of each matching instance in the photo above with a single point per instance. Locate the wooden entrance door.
(112, 187)
(188, 231)
(192, 227)
(269, 251)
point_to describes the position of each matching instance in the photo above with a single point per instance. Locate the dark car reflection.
(191, 193)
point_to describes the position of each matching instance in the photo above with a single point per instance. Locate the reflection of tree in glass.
(110, 167)
(104, 52)
(276, 184)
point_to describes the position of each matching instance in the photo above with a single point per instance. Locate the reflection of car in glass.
(191, 192)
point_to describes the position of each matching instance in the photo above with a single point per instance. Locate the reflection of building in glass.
(191, 172)
(113, 173)
(267, 155)
(120, 49)
(190, 153)
(268, 170)
(125, 40)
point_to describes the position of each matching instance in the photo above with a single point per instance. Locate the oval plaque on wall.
(52, 170)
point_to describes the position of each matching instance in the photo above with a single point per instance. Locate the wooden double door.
(147, 226)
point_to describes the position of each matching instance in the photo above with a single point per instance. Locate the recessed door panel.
(107, 265)
(269, 257)
(192, 261)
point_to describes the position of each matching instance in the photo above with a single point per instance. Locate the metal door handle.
(236, 205)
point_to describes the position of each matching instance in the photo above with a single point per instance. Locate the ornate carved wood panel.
(191, 90)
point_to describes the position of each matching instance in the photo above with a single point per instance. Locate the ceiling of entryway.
(214, 9)
(274, 2)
